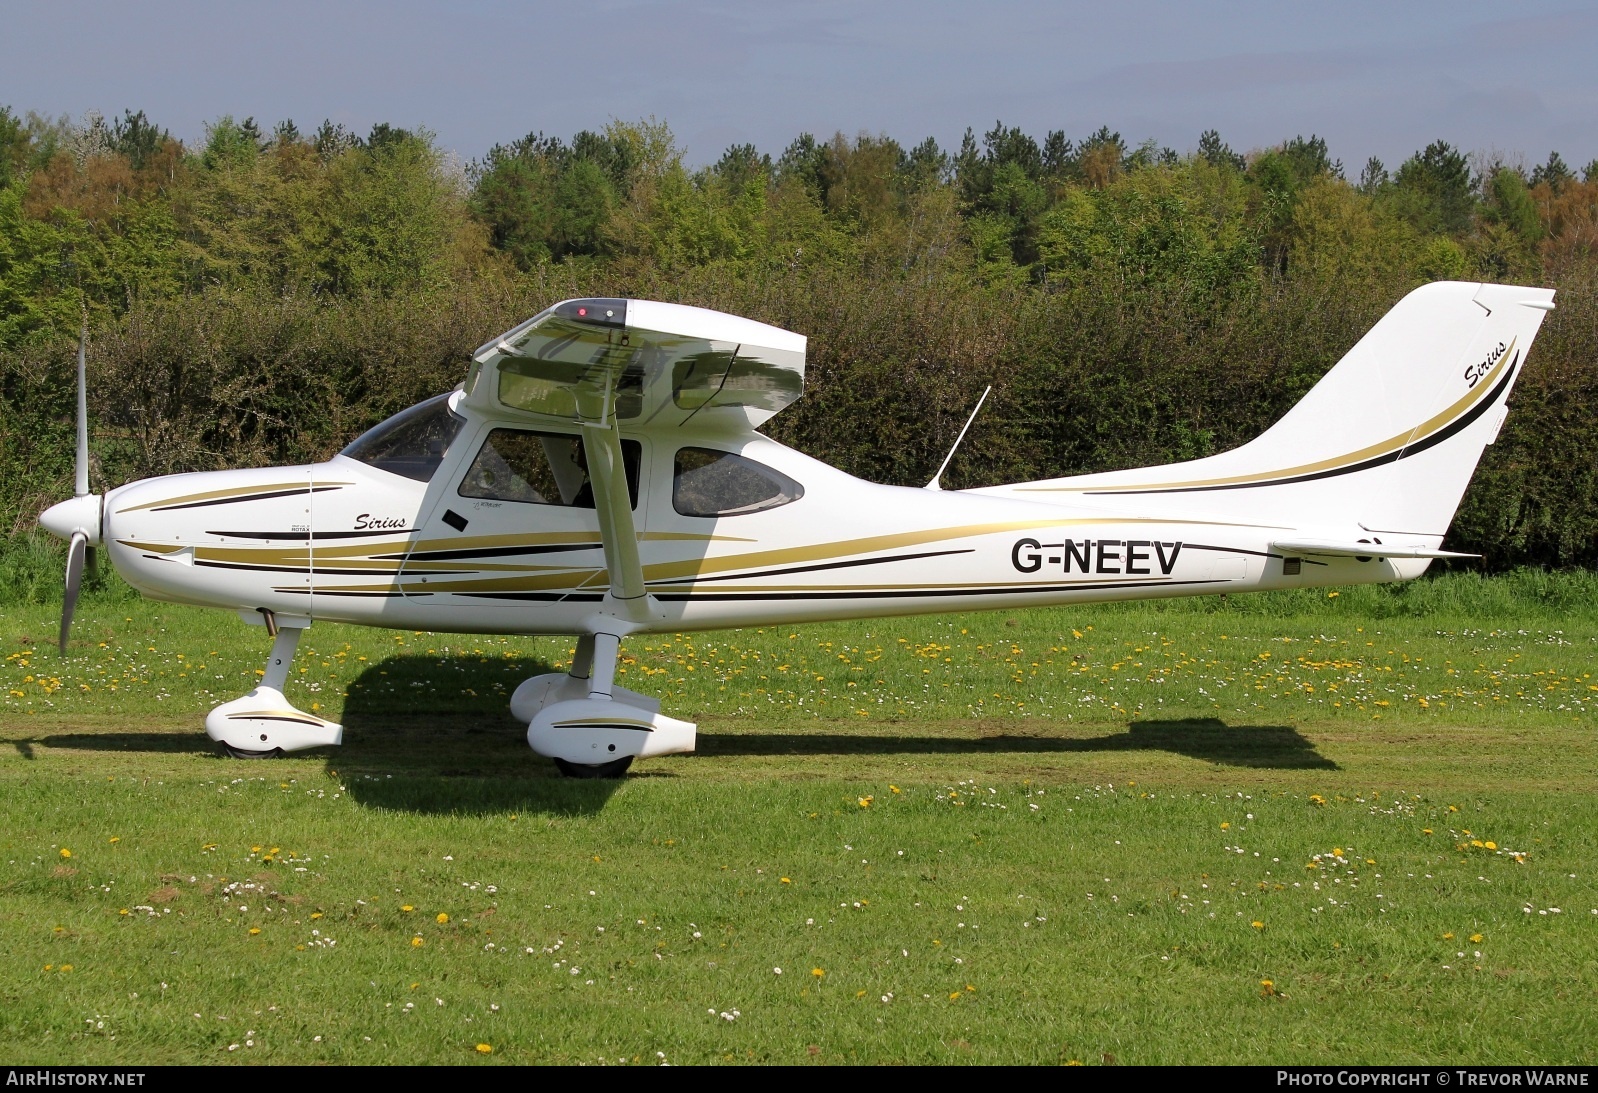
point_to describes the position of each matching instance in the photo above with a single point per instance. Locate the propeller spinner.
(77, 520)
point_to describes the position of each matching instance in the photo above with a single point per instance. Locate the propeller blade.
(81, 483)
(69, 604)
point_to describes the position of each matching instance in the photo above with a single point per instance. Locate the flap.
(1344, 549)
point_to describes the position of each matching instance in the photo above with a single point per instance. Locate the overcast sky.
(1377, 79)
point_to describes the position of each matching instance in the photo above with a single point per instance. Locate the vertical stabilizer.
(1387, 440)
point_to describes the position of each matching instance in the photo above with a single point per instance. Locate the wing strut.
(613, 506)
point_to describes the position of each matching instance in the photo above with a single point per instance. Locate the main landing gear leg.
(588, 725)
(262, 723)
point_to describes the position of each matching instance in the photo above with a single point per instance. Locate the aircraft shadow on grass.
(434, 735)
(1267, 747)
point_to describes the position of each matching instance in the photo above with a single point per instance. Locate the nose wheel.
(244, 753)
(614, 769)
(264, 723)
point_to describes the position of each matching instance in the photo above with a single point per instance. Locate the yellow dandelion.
(417, 942)
(1490, 845)
(954, 996)
(1448, 936)
(1257, 924)
(442, 918)
(785, 880)
(316, 914)
(254, 930)
(865, 802)
(817, 972)
(407, 908)
(1475, 939)
(66, 967)
(1225, 826)
(485, 1049)
(65, 853)
(1426, 831)
(115, 839)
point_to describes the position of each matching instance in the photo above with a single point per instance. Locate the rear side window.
(540, 469)
(412, 443)
(712, 483)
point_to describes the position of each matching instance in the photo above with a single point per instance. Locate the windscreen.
(412, 443)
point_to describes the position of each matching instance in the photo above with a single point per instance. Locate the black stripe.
(487, 552)
(368, 595)
(300, 535)
(1229, 550)
(544, 597)
(264, 717)
(1464, 421)
(924, 593)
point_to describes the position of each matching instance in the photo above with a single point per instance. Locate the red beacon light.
(582, 312)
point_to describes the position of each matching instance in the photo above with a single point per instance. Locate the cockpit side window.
(412, 443)
(540, 469)
(712, 483)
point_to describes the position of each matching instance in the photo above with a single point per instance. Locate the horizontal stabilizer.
(1341, 549)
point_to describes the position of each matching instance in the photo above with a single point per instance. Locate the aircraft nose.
(79, 516)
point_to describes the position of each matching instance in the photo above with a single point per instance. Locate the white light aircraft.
(599, 474)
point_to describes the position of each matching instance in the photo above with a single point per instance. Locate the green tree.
(1432, 190)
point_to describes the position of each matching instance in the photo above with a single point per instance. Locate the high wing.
(649, 366)
(646, 365)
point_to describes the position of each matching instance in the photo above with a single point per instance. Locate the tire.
(242, 753)
(613, 769)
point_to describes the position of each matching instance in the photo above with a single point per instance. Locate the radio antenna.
(933, 485)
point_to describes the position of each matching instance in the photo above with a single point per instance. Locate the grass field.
(1288, 828)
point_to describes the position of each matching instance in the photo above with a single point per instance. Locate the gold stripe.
(1391, 444)
(236, 491)
(669, 536)
(162, 548)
